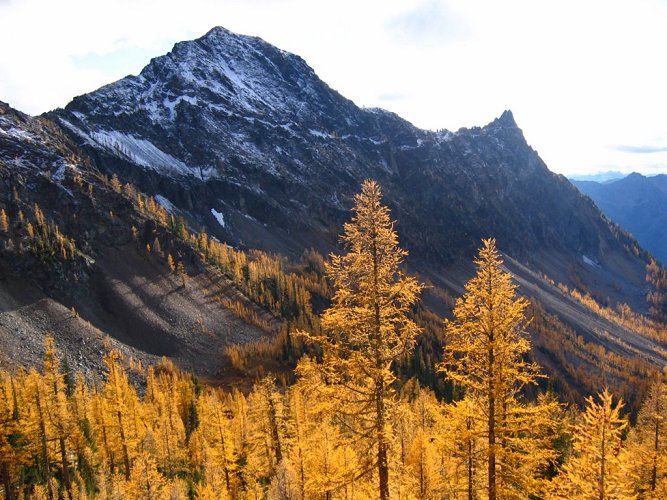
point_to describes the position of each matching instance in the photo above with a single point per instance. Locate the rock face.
(111, 293)
(229, 125)
(637, 203)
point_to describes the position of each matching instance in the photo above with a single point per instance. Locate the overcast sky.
(586, 79)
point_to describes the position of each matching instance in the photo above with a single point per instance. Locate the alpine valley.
(242, 141)
(184, 220)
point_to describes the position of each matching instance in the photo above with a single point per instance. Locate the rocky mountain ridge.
(229, 125)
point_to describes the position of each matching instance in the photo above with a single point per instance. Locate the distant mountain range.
(637, 203)
(599, 177)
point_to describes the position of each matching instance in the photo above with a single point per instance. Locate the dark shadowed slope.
(637, 203)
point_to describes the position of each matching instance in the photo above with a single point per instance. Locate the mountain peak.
(506, 120)
(217, 31)
(220, 35)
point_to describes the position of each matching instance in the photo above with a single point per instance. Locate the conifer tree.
(462, 447)
(145, 481)
(56, 407)
(268, 439)
(329, 468)
(423, 460)
(13, 441)
(4, 221)
(599, 467)
(484, 352)
(40, 428)
(115, 183)
(171, 264)
(120, 415)
(367, 326)
(648, 443)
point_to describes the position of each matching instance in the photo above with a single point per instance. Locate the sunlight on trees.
(349, 423)
(367, 326)
(485, 350)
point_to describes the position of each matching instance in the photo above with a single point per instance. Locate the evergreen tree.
(367, 326)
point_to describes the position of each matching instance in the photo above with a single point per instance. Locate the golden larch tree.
(367, 327)
(485, 348)
(648, 443)
(4, 221)
(600, 465)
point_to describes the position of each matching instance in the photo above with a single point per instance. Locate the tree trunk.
(471, 492)
(601, 479)
(224, 452)
(7, 481)
(65, 461)
(383, 470)
(45, 452)
(275, 435)
(126, 455)
(383, 464)
(654, 470)
(491, 424)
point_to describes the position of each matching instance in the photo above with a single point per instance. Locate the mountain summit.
(244, 139)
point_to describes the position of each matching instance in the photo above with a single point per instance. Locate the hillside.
(84, 277)
(241, 142)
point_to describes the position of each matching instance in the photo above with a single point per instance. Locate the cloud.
(431, 22)
(641, 149)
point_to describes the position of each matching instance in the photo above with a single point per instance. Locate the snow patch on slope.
(218, 216)
(139, 151)
(590, 262)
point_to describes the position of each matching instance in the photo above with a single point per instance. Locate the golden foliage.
(367, 328)
(485, 347)
(600, 464)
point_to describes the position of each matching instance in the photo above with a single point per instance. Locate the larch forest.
(348, 422)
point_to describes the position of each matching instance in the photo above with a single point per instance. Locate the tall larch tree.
(326, 472)
(425, 467)
(13, 441)
(57, 409)
(600, 466)
(221, 455)
(485, 348)
(121, 413)
(648, 443)
(367, 327)
(463, 452)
